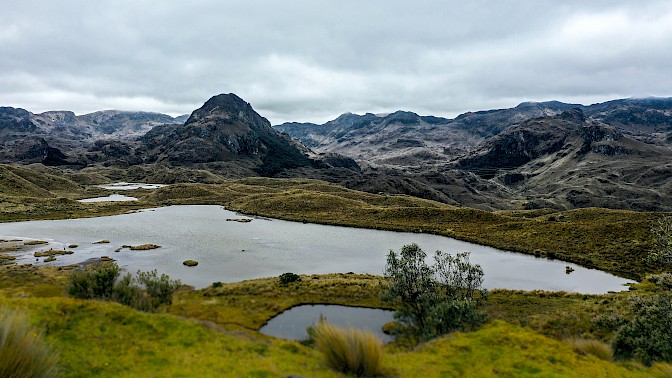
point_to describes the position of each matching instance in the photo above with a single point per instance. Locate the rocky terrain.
(535, 155)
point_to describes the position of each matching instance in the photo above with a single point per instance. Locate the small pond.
(130, 186)
(231, 251)
(293, 323)
(110, 198)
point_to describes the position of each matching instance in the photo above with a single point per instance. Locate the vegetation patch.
(190, 262)
(349, 351)
(35, 242)
(52, 252)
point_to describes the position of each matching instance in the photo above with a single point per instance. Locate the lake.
(230, 251)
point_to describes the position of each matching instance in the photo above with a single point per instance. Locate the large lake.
(233, 251)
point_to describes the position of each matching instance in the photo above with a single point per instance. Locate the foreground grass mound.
(104, 339)
(502, 350)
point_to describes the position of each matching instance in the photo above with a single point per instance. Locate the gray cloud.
(310, 61)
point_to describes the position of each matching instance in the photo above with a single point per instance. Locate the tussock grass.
(596, 348)
(350, 351)
(23, 353)
(661, 370)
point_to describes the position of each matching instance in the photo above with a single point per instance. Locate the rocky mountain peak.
(227, 108)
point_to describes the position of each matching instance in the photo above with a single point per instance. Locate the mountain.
(62, 138)
(404, 139)
(568, 161)
(225, 129)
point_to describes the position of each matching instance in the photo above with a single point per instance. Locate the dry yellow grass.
(349, 351)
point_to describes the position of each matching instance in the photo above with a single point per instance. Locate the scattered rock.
(73, 246)
(569, 269)
(104, 241)
(50, 259)
(143, 247)
(106, 258)
(190, 262)
(240, 220)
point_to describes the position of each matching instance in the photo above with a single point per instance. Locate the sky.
(309, 61)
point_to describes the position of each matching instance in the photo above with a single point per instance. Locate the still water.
(229, 251)
(293, 323)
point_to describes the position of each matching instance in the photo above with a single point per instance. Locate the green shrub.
(434, 300)
(596, 348)
(159, 290)
(287, 278)
(22, 351)
(349, 351)
(646, 336)
(146, 292)
(94, 281)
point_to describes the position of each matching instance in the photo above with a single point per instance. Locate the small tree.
(437, 299)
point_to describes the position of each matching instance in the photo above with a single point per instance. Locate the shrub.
(662, 234)
(349, 351)
(94, 281)
(287, 278)
(646, 336)
(593, 347)
(159, 290)
(22, 351)
(146, 292)
(434, 300)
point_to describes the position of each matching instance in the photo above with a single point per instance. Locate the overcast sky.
(309, 61)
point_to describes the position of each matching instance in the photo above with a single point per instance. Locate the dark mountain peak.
(225, 107)
(403, 117)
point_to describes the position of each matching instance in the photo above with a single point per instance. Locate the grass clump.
(23, 353)
(592, 347)
(349, 351)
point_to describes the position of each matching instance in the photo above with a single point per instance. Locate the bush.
(22, 351)
(146, 292)
(349, 351)
(95, 281)
(287, 278)
(593, 347)
(662, 234)
(434, 300)
(159, 290)
(646, 336)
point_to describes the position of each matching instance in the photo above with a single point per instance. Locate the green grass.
(350, 351)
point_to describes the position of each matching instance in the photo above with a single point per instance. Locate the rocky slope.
(61, 137)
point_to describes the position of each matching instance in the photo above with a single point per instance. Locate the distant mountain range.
(549, 154)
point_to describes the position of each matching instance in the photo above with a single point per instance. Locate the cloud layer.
(310, 60)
